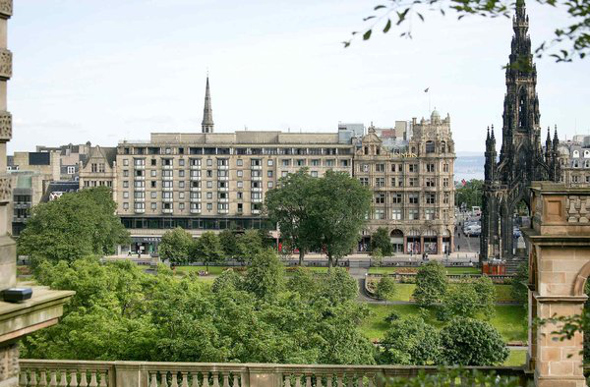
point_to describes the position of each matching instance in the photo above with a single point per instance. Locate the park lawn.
(508, 320)
(403, 292)
(516, 358)
(213, 270)
(317, 269)
(450, 270)
(503, 293)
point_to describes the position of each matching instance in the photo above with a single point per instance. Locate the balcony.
(195, 199)
(167, 189)
(139, 188)
(223, 189)
(226, 200)
(223, 167)
(256, 189)
(193, 167)
(195, 177)
(167, 178)
(195, 210)
(195, 189)
(167, 200)
(139, 210)
(166, 166)
(255, 212)
(223, 178)
(139, 177)
(167, 210)
(223, 211)
(257, 178)
(256, 167)
(257, 200)
(142, 166)
(141, 200)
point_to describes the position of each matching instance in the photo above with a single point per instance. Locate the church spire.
(207, 124)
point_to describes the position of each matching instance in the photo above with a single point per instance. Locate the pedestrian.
(458, 247)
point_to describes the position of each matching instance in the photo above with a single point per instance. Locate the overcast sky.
(108, 70)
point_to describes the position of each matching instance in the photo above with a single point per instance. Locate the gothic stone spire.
(207, 124)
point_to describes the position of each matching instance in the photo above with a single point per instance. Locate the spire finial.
(207, 124)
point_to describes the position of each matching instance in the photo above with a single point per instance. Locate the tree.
(460, 301)
(339, 210)
(470, 342)
(410, 341)
(519, 284)
(385, 288)
(207, 249)
(380, 240)
(229, 280)
(229, 243)
(486, 292)
(289, 206)
(249, 244)
(176, 246)
(431, 284)
(339, 286)
(302, 281)
(73, 226)
(470, 194)
(569, 42)
(264, 277)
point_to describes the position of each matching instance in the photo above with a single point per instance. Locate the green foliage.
(431, 284)
(290, 206)
(470, 342)
(393, 316)
(460, 301)
(302, 281)
(519, 289)
(445, 377)
(385, 288)
(229, 243)
(486, 292)
(73, 226)
(471, 194)
(339, 286)
(570, 41)
(410, 341)
(121, 313)
(176, 246)
(249, 245)
(265, 277)
(207, 249)
(380, 240)
(340, 206)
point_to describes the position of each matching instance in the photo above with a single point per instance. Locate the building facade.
(574, 157)
(522, 159)
(98, 168)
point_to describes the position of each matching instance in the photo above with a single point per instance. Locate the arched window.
(522, 111)
(586, 154)
(429, 146)
(443, 147)
(576, 153)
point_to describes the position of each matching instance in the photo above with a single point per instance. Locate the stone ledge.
(5, 9)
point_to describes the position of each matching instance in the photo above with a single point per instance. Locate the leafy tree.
(519, 284)
(486, 292)
(249, 245)
(460, 301)
(290, 207)
(73, 226)
(431, 284)
(339, 286)
(470, 342)
(410, 341)
(229, 243)
(176, 246)
(340, 206)
(302, 281)
(229, 280)
(385, 288)
(569, 42)
(207, 249)
(470, 194)
(264, 277)
(380, 240)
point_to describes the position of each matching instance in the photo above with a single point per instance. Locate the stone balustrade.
(62, 373)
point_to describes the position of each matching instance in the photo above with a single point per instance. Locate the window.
(71, 170)
(126, 195)
(240, 207)
(209, 207)
(446, 182)
(126, 173)
(576, 153)
(575, 163)
(154, 184)
(575, 179)
(195, 162)
(445, 167)
(446, 198)
(153, 162)
(379, 167)
(154, 206)
(139, 162)
(380, 198)
(396, 197)
(181, 173)
(364, 180)
(181, 162)
(222, 162)
(379, 182)
(270, 184)
(167, 184)
(154, 173)
(430, 182)
(139, 205)
(396, 214)
(429, 214)
(240, 173)
(429, 146)
(430, 167)
(413, 215)
(195, 196)
(430, 198)
(209, 173)
(270, 174)
(256, 195)
(379, 214)
(412, 167)
(284, 174)
(153, 195)
(315, 163)
(181, 184)
(195, 173)
(209, 184)
(330, 163)
(255, 162)
(413, 198)
(94, 168)
(270, 163)
(314, 173)
(256, 173)
(139, 184)
(139, 173)
(139, 195)
(286, 162)
(240, 195)
(167, 195)
(344, 163)
(167, 173)
(125, 206)
(240, 162)
(222, 206)
(125, 184)
(209, 195)
(413, 182)
(195, 206)
(301, 162)
(125, 162)
(222, 173)
(101, 167)
(240, 184)
(209, 164)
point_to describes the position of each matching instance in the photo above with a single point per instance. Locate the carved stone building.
(522, 159)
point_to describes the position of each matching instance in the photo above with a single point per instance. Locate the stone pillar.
(439, 244)
(405, 244)
(452, 243)
(421, 244)
(559, 262)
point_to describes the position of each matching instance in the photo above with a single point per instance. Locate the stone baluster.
(205, 379)
(329, 380)
(23, 379)
(236, 381)
(225, 379)
(153, 379)
(103, 379)
(308, 380)
(83, 378)
(164, 379)
(195, 382)
(215, 377)
(339, 381)
(33, 381)
(43, 379)
(184, 382)
(73, 378)
(297, 380)
(53, 379)
(350, 378)
(174, 380)
(318, 380)
(93, 381)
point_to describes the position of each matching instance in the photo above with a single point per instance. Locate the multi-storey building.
(574, 157)
(413, 190)
(69, 158)
(98, 168)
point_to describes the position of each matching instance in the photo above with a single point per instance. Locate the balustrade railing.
(61, 373)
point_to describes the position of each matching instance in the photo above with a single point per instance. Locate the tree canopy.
(431, 284)
(176, 246)
(75, 225)
(380, 240)
(470, 194)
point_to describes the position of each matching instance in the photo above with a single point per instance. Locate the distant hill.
(469, 165)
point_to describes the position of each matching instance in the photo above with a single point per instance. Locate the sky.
(108, 70)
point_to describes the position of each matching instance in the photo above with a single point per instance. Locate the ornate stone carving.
(5, 63)
(5, 8)
(5, 189)
(578, 209)
(5, 126)
(9, 362)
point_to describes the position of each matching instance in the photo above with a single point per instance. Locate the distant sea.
(469, 165)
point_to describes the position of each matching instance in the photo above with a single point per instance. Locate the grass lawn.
(508, 320)
(213, 270)
(450, 270)
(317, 269)
(516, 358)
(403, 292)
